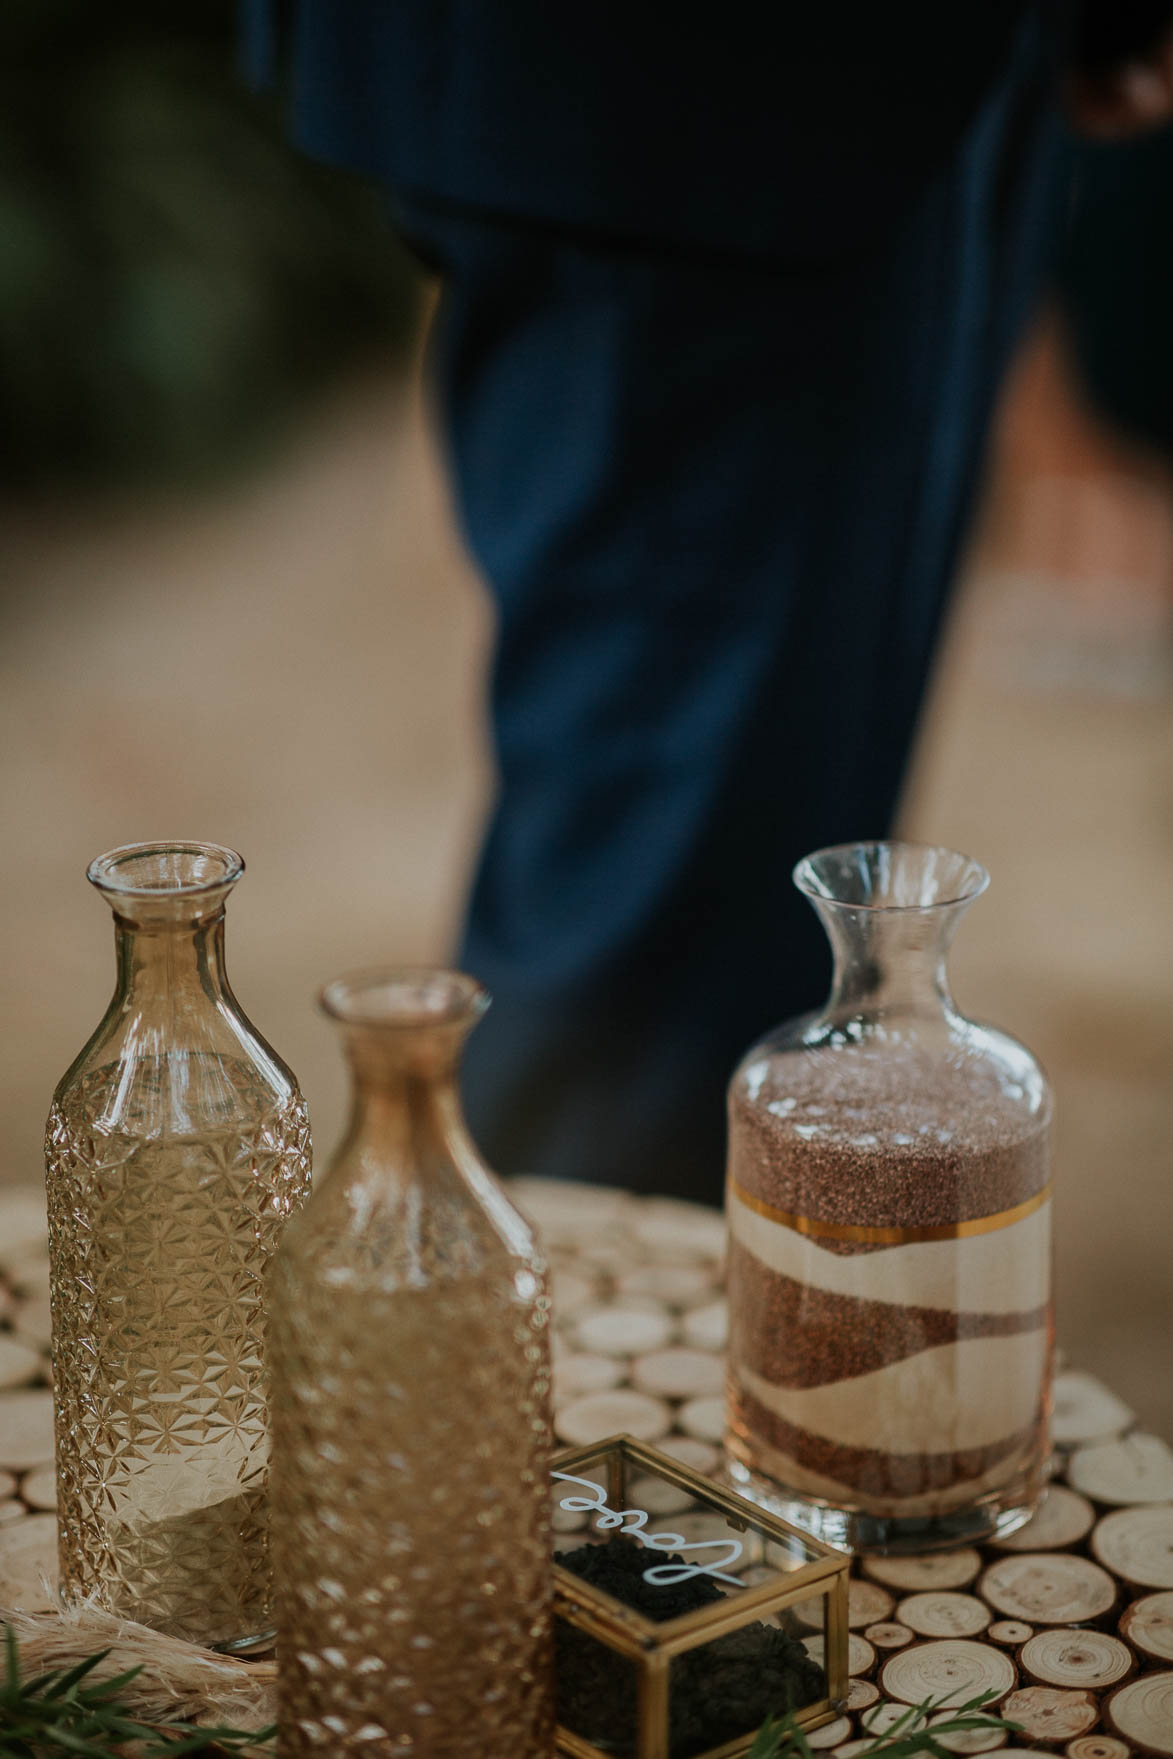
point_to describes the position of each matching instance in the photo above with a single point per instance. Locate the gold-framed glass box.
(684, 1614)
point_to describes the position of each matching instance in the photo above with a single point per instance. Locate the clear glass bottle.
(176, 1149)
(889, 1210)
(411, 1415)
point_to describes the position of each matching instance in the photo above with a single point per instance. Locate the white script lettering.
(662, 1575)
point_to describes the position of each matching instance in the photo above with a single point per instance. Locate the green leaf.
(908, 1736)
(62, 1682)
(60, 1713)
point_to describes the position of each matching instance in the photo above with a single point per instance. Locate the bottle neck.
(405, 1102)
(161, 963)
(889, 962)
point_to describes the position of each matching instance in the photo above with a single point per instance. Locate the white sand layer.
(944, 1400)
(1006, 1271)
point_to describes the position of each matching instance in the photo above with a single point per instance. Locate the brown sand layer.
(798, 1336)
(905, 1140)
(873, 1472)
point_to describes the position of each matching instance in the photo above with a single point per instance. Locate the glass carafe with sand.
(889, 1210)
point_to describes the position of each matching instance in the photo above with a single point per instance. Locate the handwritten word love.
(662, 1575)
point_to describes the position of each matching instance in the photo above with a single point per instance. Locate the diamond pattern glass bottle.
(176, 1149)
(411, 1426)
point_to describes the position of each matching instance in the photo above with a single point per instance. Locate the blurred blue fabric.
(715, 456)
(792, 130)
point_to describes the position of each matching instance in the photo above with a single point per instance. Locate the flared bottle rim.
(890, 876)
(404, 997)
(168, 868)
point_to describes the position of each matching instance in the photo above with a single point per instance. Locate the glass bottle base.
(993, 1516)
(252, 1643)
(246, 1645)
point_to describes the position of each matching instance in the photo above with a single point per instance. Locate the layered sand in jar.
(890, 1291)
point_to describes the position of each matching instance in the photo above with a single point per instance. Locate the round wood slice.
(650, 1304)
(1011, 1632)
(1137, 1468)
(867, 1603)
(707, 1328)
(1063, 1518)
(1142, 1712)
(886, 1713)
(888, 1635)
(808, 1615)
(944, 1614)
(1137, 1544)
(935, 1569)
(679, 1232)
(1090, 1661)
(599, 1415)
(703, 1526)
(1086, 1410)
(703, 1419)
(622, 1331)
(978, 1740)
(1044, 1713)
(659, 1496)
(1097, 1747)
(607, 1256)
(700, 1456)
(28, 1563)
(566, 1213)
(570, 1294)
(861, 1657)
(860, 1693)
(39, 1487)
(830, 1735)
(679, 1374)
(1148, 1626)
(677, 1285)
(26, 1430)
(12, 1509)
(1048, 1588)
(954, 1670)
(576, 1374)
(20, 1363)
(864, 1602)
(856, 1749)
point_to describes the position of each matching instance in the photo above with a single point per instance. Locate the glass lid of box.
(652, 1535)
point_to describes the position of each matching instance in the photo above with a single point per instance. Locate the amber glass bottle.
(177, 1147)
(411, 1415)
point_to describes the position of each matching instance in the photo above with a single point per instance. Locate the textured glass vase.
(411, 1427)
(177, 1147)
(889, 1211)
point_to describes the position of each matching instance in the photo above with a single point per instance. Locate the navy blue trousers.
(718, 503)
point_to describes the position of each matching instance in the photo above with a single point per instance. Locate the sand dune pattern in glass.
(889, 1208)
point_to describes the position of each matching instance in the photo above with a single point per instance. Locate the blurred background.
(235, 607)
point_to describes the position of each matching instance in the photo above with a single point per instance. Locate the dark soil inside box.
(718, 1692)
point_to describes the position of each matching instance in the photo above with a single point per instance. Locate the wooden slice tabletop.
(1069, 1620)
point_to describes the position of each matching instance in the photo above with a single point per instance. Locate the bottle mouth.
(165, 870)
(890, 876)
(408, 996)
